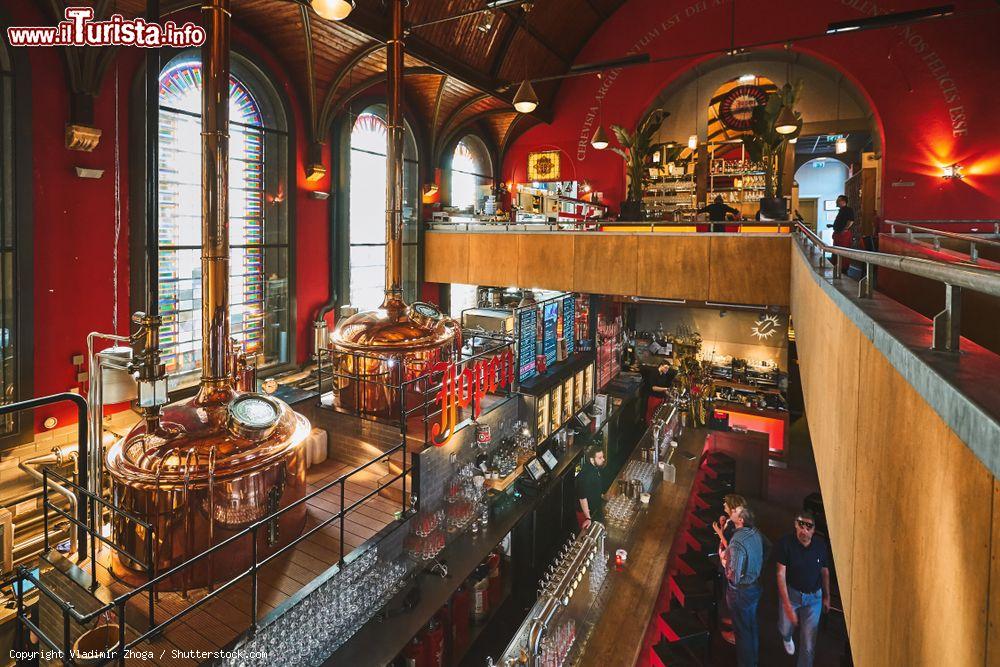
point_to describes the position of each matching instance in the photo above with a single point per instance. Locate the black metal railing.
(120, 603)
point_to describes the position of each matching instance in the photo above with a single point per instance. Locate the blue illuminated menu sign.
(569, 323)
(550, 318)
(526, 344)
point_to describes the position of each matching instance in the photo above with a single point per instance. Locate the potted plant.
(635, 149)
(767, 146)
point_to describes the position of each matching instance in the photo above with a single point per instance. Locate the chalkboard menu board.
(526, 344)
(551, 316)
(569, 323)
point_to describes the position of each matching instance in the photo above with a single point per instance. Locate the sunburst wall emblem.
(766, 327)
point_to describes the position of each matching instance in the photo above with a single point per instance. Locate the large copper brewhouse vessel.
(202, 469)
(376, 353)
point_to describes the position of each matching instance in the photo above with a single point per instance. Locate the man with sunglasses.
(803, 586)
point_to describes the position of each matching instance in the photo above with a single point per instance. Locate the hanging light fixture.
(840, 146)
(793, 140)
(787, 123)
(525, 101)
(693, 139)
(333, 10)
(693, 142)
(600, 139)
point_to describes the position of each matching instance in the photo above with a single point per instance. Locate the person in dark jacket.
(717, 212)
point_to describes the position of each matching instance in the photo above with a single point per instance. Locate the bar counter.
(617, 637)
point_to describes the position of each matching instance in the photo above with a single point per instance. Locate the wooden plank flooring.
(223, 619)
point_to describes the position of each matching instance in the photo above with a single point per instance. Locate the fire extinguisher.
(414, 654)
(434, 648)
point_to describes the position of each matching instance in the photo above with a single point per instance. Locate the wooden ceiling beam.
(376, 27)
(325, 116)
(601, 14)
(365, 84)
(528, 28)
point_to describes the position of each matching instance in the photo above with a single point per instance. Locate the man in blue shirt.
(743, 560)
(803, 586)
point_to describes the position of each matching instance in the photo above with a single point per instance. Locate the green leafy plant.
(635, 149)
(767, 145)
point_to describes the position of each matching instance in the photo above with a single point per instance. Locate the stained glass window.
(367, 212)
(258, 267)
(471, 175)
(9, 333)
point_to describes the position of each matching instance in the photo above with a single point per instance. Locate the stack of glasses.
(644, 471)
(619, 512)
(319, 624)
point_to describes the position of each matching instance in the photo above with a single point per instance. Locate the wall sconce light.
(321, 195)
(87, 172)
(315, 172)
(952, 171)
(430, 189)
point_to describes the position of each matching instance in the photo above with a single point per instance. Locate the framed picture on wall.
(829, 204)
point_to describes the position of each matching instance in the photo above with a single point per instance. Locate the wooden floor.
(222, 620)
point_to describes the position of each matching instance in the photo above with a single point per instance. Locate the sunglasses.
(809, 525)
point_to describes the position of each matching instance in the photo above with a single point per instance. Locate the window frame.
(274, 102)
(341, 212)
(14, 65)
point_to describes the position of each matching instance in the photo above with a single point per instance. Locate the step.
(721, 483)
(666, 655)
(702, 540)
(704, 518)
(691, 591)
(692, 562)
(681, 626)
(706, 499)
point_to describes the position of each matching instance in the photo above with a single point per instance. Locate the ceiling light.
(748, 78)
(887, 20)
(525, 101)
(787, 123)
(600, 139)
(952, 171)
(693, 142)
(486, 21)
(333, 10)
(841, 145)
(497, 4)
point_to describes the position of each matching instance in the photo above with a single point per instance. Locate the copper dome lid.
(196, 441)
(395, 327)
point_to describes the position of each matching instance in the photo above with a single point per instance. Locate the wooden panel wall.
(910, 507)
(733, 269)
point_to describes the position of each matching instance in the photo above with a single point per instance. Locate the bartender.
(717, 212)
(590, 488)
(657, 381)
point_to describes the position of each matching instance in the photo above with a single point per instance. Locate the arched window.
(258, 217)
(367, 211)
(471, 174)
(16, 262)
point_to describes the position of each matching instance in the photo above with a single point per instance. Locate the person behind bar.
(717, 213)
(803, 586)
(590, 488)
(743, 560)
(657, 381)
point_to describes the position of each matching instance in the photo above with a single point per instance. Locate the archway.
(832, 106)
(820, 181)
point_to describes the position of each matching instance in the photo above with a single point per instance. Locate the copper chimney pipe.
(394, 161)
(215, 198)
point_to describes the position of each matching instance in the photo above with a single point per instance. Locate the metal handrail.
(972, 240)
(955, 278)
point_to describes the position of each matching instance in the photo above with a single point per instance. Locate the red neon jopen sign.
(458, 389)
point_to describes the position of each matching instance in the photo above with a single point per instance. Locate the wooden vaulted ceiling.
(457, 73)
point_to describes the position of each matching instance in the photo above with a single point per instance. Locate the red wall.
(74, 217)
(915, 77)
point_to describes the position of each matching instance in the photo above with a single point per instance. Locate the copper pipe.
(211, 515)
(394, 161)
(215, 198)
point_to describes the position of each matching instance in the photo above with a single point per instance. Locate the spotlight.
(333, 10)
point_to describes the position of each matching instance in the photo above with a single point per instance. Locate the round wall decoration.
(736, 107)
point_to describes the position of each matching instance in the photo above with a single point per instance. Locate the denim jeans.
(808, 607)
(743, 604)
